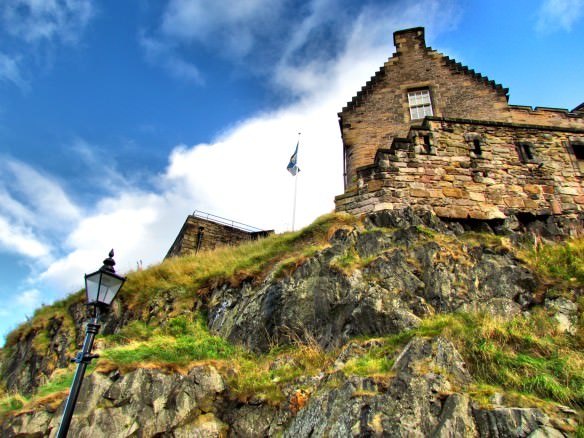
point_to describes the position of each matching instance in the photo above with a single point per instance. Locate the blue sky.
(118, 119)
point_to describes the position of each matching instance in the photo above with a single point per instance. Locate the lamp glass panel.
(92, 286)
(109, 287)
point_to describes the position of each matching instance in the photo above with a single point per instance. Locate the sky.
(119, 119)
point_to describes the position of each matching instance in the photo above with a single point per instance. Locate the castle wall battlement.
(200, 234)
(474, 169)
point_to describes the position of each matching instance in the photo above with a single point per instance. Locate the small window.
(477, 146)
(526, 152)
(427, 144)
(420, 104)
(578, 149)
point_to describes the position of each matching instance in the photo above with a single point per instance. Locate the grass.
(11, 403)
(185, 279)
(563, 262)
(526, 354)
(346, 262)
(180, 342)
(40, 320)
(194, 275)
(526, 358)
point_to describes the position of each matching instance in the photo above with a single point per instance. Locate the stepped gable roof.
(365, 89)
(450, 63)
(458, 67)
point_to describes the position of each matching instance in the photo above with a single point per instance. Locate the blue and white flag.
(292, 165)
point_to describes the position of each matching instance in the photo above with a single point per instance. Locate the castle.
(430, 133)
(205, 231)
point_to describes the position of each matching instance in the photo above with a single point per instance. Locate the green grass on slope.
(182, 341)
(194, 275)
(559, 261)
(524, 356)
(187, 277)
(40, 319)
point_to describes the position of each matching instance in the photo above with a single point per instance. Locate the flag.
(292, 165)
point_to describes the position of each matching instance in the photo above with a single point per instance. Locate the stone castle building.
(204, 231)
(428, 132)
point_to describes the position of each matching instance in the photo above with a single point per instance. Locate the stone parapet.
(199, 234)
(474, 169)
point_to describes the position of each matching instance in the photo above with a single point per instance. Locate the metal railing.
(225, 221)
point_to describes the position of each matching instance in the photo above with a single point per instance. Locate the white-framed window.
(420, 104)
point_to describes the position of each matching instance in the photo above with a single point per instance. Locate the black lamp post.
(101, 287)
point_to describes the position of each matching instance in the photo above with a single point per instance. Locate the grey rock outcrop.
(403, 276)
(375, 281)
(144, 403)
(424, 398)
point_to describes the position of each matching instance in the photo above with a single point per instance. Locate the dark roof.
(578, 109)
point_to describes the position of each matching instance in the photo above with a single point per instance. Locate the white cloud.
(42, 195)
(15, 238)
(163, 54)
(556, 15)
(232, 24)
(239, 175)
(28, 299)
(38, 20)
(101, 172)
(41, 25)
(10, 71)
(292, 45)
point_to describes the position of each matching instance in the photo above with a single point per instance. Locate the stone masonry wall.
(545, 116)
(380, 112)
(438, 166)
(214, 234)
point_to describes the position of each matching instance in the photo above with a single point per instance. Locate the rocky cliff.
(397, 325)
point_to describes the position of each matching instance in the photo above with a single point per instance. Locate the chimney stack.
(409, 40)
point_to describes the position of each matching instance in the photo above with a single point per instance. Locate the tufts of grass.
(60, 381)
(425, 231)
(562, 262)
(193, 275)
(369, 365)
(11, 403)
(180, 342)
(525, 358)
(267, 376)
(525, 354)
(187, 277)
(489, 240)
(39, 321)
(135, 331)
(290, 264)
(347, 262)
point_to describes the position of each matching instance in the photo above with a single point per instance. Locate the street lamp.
(101, 288)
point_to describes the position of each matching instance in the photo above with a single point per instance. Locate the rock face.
(421, 400)
(374, 281)
(143, 403)
(401, 277)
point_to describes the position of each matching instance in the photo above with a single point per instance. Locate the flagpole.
(295, 191)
